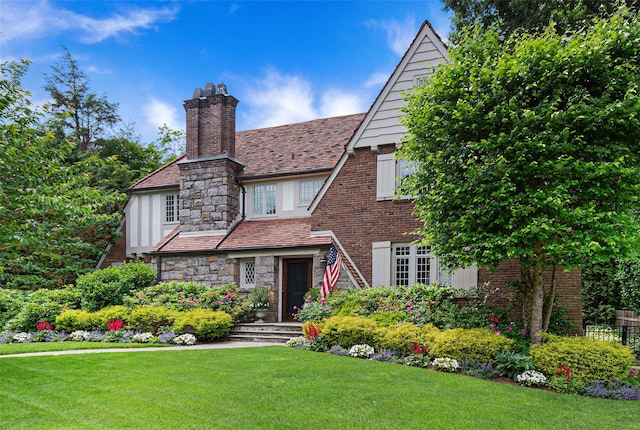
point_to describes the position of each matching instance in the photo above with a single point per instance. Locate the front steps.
(266, 332)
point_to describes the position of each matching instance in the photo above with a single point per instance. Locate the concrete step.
(265, 332)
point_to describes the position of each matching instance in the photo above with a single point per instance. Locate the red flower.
(115, 325)
(43, 325)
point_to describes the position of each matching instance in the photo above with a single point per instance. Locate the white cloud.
(24, 19)
(399, 34)
(278, 99)
(377, 80)
(157, 113)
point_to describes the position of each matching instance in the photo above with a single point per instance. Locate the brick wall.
(210, 126)
(350, 209)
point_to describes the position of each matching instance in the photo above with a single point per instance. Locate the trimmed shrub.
(150, 318)
(75, 319)
(348, 331)
(588, 360)
(107, 287)
(207, 324)
(43, 305)
(472, 344)
(103, 317)
(174, 294)
(401, 338)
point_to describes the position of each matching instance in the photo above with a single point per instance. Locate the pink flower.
(322, 300)
(492, 326)
(115, 325)
(524, 332)
(309, 299)
(509, 328)
(295, 307)
(181, 294)
(417, 316)
(409, 303)
(409, 309)
(43, 325)
(221, 303)
(497, 332)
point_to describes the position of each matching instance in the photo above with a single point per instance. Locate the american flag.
(332, 273)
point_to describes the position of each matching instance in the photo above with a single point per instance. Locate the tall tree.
(528, 148)
(529, 15)
(53, 226)
(86, 115)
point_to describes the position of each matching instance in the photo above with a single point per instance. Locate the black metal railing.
(620, 334)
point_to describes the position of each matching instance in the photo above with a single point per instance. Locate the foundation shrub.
(472, 344)
(173, 294)
(151, 318)
(74, 319)
(388, 318)
(349, 330)
(588, 360)
(207, 324)
(400, 338)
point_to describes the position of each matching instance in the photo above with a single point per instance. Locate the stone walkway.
(218, 345)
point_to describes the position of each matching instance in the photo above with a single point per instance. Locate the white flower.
(446, 364)
(531, 377)
(361, 351)
(142, 337)
(22, 337)
(185, 339)
(295, 342)
(79, 336)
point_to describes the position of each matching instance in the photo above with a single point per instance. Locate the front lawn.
(276, 388)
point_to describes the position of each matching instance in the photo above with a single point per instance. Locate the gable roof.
(306, 147)
(381, 124)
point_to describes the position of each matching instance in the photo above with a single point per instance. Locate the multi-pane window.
(172, 208)
(309, 189)
(415, 265)
(264, 199)
(248, 272)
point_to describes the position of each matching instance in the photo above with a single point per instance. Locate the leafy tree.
(52, 224)
(84, 113)
(171, 141)
(529, 15)
(528, 148)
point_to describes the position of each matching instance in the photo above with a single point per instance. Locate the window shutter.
(386, 177)
(381, 264)
(466, 278)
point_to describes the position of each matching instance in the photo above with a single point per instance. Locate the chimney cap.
(210, 90)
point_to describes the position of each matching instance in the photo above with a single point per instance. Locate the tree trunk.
(537, 283)
(552, 298)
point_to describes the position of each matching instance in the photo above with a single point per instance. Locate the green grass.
(276, 388)
(19, 348)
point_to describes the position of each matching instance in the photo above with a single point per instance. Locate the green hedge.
(151, 318)
(470, 344)
(589, 360)
(347, 331)
(207, 324)
(402, 337)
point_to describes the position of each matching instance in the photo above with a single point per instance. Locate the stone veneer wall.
(209, 195)
(212, 270)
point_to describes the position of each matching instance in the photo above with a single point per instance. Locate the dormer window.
(264, 199)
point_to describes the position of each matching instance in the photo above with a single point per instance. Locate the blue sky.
(286, 61)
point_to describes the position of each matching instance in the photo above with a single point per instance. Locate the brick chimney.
(209, 194)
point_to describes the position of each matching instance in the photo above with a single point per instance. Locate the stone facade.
(209, 195)
(212, 270)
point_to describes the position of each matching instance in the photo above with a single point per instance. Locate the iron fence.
(622, 334)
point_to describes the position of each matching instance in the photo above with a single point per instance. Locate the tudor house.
(262, 207)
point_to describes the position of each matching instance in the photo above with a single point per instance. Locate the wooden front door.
(296, 281)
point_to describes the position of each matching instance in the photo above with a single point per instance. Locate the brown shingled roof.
(265, 234)
(300, 148)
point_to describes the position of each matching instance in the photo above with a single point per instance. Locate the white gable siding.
(382, 125)
(145, 214)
